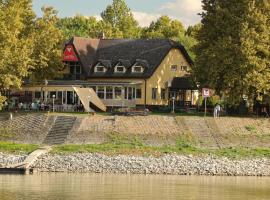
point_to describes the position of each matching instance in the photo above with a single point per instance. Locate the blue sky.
(144, 11)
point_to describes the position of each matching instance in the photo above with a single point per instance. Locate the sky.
(144, 11)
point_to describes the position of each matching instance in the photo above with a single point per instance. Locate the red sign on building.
(69, 54)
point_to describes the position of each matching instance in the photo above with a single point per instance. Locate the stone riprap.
(9, 159)
(169, 164)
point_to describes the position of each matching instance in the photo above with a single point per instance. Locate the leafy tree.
(16, 43)
(48, 47)
(232, 55)
(167, 28)
(192, 31)
(120, 18)
(80, 26)
(164, 27)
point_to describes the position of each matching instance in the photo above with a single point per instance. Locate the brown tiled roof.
(146, 52)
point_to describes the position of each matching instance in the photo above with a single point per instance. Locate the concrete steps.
(60, 130)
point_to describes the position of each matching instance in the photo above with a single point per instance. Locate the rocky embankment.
(169, 164)
(9, 159)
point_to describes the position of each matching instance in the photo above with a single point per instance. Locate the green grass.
(184, 145)
(250, 128)
(9, 147)
(129, 149)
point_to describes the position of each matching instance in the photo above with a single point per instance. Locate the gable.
(69, 54)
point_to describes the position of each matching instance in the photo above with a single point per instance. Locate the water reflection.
(97, 186)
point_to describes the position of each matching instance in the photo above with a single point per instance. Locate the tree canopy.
(119, 16)
(16, 43)
(29, 46)
(232, 55)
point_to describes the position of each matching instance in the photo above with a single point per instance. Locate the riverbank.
(168, 164)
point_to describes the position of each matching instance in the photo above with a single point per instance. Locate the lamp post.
(173, 99)
(53, 101)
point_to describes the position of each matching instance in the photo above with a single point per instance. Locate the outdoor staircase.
(60, 130)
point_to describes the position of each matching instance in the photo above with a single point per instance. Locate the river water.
(102, 186)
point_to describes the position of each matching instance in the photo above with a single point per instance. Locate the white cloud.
(144, 19)
(184, 10)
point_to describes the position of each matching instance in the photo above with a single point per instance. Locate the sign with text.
(69, 54)
(206, 92)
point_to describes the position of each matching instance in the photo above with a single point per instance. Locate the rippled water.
(97, 186)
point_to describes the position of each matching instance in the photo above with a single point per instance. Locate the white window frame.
(100, 66)
(117, 71)
(136, 66)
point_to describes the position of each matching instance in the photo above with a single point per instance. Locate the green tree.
(16, 43)
(192, 31)
(48, 47)
(120, 19)
(164, 27)
(232, 55)
(80, 26)
(168, 28)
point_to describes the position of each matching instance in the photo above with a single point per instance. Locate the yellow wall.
(164, 74)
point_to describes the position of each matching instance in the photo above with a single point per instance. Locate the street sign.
(206, 92)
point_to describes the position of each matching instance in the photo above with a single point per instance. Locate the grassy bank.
(180, 148)
(9, 147)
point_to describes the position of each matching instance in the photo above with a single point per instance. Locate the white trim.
(100, 66)
(137, 66)
(117, 66)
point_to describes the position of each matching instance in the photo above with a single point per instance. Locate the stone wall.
(25, 128)
(206, 132)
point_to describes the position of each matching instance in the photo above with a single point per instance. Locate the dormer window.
(184, 68)
(137, 69)
(119, 69)
(100, 68)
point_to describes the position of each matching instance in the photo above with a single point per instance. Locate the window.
(100, 92)
(59, 94)
(118, 93)
(184, 68)
(154, 93)
(100, 69)
(163, 93)
(137, 69)
(138, 93)
(128, 93)
(174, 67)
(75, 69)
(37, 95)
(109, 92)
(119, 69)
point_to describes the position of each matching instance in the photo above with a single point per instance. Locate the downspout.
(145, 95)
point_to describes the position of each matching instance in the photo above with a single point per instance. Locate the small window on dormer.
(137, 69)
(100, 69)
(184, 68)
(174, 67)
(119, 69)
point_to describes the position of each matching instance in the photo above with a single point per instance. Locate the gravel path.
(169, 164)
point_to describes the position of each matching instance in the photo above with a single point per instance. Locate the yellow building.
(123, 73)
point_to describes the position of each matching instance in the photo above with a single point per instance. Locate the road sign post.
(206, 94)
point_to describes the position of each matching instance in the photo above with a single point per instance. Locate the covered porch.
(61, 95)
(184, 91)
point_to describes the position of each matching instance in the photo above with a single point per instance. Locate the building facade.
(122, 72)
